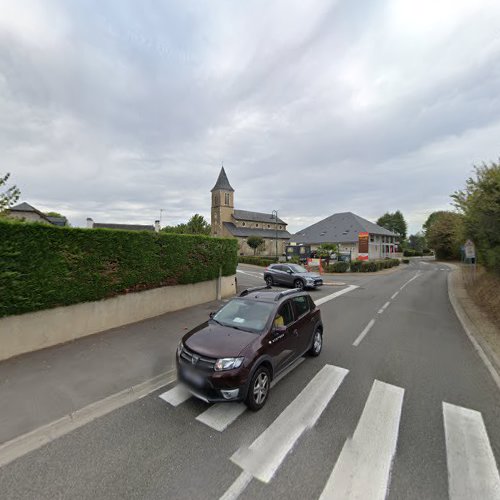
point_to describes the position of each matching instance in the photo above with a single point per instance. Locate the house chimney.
(157, 226)
(90, 223)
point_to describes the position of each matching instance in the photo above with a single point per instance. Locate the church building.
(241, 224)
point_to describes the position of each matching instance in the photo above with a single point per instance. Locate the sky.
(123, 111)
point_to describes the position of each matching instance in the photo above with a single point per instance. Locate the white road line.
(410, 280)
(383, 308)
(394, 295)
(221, 415)
(361, 336)
(350, 288)
(264, 456)
(472, 471)
(176, 396)
(252, 274)
(237, 488)
(364, 465)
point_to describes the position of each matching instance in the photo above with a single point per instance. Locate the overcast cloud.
(115, 110)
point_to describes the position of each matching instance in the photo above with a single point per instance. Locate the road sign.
(470, 250)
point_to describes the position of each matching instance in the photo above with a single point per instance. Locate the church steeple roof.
(222, 182)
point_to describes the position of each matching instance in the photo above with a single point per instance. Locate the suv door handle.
(296, 333)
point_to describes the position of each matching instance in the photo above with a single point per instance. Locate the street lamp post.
(275, 214)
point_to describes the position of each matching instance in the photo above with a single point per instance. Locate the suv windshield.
(297, 269)
(247, 315)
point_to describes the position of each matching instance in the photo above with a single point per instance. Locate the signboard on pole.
(470, 250)
(363, 243)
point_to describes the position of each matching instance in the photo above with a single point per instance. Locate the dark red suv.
(247, 343)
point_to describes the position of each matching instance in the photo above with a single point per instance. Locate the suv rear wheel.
(317, 344)
(259, 389)
(269, 280)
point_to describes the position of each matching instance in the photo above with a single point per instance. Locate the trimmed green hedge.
(372, 266)
(256, 261)
(46, 266)
(337, 267)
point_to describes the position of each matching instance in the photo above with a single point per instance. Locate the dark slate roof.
(127, 227)
(222, 182)
(255, 216)
(24, 207)
(57, 221)
(245, 232)
(338, 228)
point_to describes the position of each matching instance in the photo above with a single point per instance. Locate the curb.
(482, 348)
(26, 443)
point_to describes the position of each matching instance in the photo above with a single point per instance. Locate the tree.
(255, 242)
(479, 203)
(394, 222)
(431, 219)
(196, 225)
(445, 235)
(417, 242)
(10, 196)
(54, 214)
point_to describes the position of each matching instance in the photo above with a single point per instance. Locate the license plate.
(193, 377)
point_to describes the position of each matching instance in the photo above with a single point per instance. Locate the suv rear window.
(301, 305)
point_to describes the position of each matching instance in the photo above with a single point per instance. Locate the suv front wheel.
(259, 389)
(299, 284)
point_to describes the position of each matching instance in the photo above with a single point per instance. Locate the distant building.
(344, 229)
(241, 224)
(25, 211)
(126, 227)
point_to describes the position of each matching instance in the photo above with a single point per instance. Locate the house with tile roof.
(344, 229)
(241, 224)
(26, 212)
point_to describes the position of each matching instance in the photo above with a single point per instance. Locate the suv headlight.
(179, 348)
(227, 364)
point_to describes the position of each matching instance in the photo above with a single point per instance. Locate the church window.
(216, 199)
(256, 225)
(280, 227)
(242, 223)
(226, 200)
(268, 226)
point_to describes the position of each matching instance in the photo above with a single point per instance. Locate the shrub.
(406, 261)
(46, 266)
(356, 266)
(256, 261)
(337, 267)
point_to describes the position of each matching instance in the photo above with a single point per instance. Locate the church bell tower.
(222, 204)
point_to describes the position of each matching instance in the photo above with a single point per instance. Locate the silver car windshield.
(298, 269)
(246, 315)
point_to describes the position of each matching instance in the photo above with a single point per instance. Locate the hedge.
(46, 266)
(372, 266)
(257, 260)
(337, 267)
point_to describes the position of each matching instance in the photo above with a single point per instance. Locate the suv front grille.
(196, 360)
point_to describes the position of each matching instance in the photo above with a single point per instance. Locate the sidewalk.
(482, 332)
(43, 386)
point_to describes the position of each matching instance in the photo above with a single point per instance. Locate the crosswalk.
(363, 467)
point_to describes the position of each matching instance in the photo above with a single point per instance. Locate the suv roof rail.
(255, 289)
(284, 293)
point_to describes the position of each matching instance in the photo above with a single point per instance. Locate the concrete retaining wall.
(32, 331)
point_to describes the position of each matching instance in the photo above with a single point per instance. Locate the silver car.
(291, 275)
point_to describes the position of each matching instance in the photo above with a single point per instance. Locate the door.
(282, 345)
(279, 275)
(288, 277)
(304, 322)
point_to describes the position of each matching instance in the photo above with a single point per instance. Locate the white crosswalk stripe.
(176, 396)
(363, 467)
(472, 471)
(264, 456)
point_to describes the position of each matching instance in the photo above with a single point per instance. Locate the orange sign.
(363, 241)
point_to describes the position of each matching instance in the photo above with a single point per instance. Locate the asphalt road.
(398, 405)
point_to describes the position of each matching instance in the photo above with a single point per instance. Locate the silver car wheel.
(318, 340)
(261, 388)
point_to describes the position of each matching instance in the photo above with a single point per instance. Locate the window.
(242, 223)
(226, 198)
(268, 226)
(301, 305)
(280, 227)
(216, 199)
(372, 238)
(256, 225)
(284, 316)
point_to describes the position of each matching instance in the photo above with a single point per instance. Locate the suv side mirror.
(212, 314)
